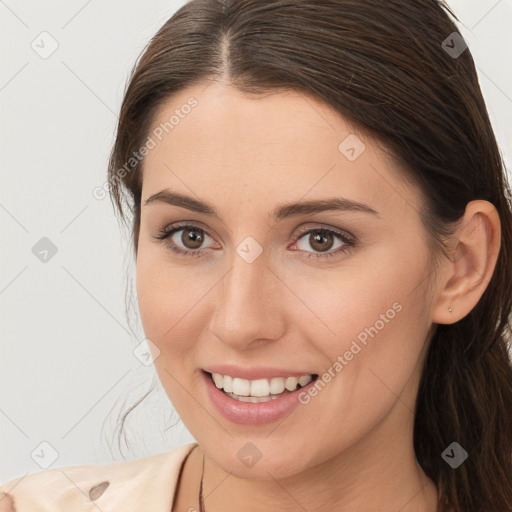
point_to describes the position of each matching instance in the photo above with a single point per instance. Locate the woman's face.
(264, 293)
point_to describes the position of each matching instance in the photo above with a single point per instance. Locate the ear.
(473, 252)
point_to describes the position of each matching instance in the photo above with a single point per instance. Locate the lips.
(252, 410)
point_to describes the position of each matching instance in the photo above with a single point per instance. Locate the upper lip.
(254, 373)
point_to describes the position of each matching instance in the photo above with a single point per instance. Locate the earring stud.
(450, 310)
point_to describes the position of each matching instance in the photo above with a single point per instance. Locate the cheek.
(169, 297)
(170, 300)
(360, 295)
(370, 323)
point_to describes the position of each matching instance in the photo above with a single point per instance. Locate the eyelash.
(165, 233)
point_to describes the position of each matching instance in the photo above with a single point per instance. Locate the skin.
(351, 447)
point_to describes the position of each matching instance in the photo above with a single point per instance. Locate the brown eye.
(192, 238)
(321, 241)
(185, 239)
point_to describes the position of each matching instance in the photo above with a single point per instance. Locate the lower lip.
(248, 413)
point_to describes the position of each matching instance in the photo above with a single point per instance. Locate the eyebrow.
(280, 212)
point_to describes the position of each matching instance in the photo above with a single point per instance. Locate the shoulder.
(148, 483)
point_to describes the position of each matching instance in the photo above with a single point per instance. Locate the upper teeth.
(259, 387)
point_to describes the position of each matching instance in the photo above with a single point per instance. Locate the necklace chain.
(201, 501)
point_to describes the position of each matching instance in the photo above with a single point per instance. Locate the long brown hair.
(399, 71)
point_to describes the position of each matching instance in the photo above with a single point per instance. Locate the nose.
(248, 310)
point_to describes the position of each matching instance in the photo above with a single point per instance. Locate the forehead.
(279, 146)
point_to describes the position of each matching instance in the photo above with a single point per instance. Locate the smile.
(265, 395)
(259, 390)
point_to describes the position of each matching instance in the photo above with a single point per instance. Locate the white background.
(66, 348)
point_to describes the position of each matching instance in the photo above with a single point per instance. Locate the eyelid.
(344, 235)
(176, 226)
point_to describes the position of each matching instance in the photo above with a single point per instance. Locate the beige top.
(146, 484)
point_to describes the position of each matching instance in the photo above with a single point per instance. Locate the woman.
(323, 231)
